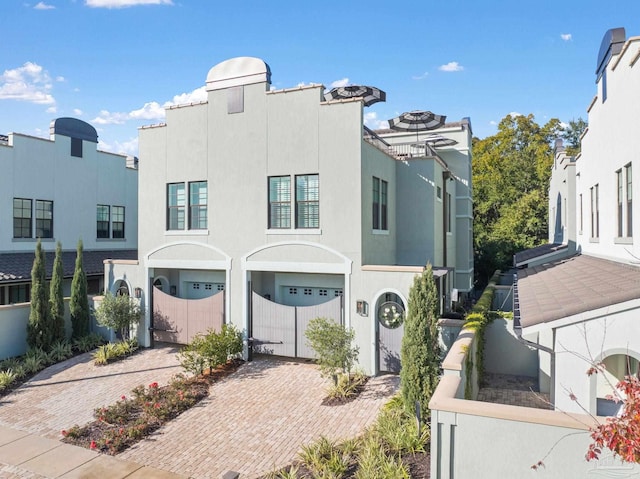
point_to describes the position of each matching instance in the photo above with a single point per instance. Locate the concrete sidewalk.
(24, 455)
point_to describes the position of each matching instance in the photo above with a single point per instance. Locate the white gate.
(279, 329)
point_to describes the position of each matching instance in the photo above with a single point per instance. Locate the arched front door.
(389, 314)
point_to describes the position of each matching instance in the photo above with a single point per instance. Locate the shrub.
(113, 351)
(420, 351)
(79, 303)
(118, 313)
(211, 350)
(347, 386)
(88, 342)
(60, 351)
(333, 346)
(39, 330)
(7, 377)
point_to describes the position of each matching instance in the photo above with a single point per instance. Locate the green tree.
(333, 345)
(572, 134)
(56, 298)
(79, 303)
(118, 313)
(420, 351)
(511, 172)
(38, 330)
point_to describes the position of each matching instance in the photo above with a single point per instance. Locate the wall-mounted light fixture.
(362, 307)
(138, 292)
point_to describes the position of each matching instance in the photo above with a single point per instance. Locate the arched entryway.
(616, 367)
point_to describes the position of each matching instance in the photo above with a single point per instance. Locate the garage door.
(199, 290)
(308, 296)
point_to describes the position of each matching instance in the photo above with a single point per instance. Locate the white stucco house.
(60, 189)
(266, 208)
(580, 300)
(576, 303)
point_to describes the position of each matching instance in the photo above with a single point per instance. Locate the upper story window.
(102, 221)
(175, 206)
(44, 219)
(117, 222)
(447, 212)
(307, 201)
(279, 202)
(198, 205)
(76, 147)
(110, 222)
(629, 192)
(595, 212)
(22, 218)
(619, 189)
(379, 212)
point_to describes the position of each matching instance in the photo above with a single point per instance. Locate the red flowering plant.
(620, 434)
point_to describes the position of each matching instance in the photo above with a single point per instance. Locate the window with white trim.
(379, 204)
(279, 202)
(307, 201)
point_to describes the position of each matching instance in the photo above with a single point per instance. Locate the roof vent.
(73, 128)
(611, 45)
(238, 71)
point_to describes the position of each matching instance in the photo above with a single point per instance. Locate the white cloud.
(151, 110)
(51, 109)
(60, 79)
(124, 3)
(77, 112)
(372, 121)
(451, 67)
(339, 83)
(43, 6)
(493, 122)
(129, 147)
(29, 82)
(420, 77)
(567, 37)
(514, 114)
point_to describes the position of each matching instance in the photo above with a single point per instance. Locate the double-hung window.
(279, 202)
(619, 189)
(44, 219)
(22, 218)
(198, 205)
(379, 212)
(175, 206)
(628, 172)
(307, 201)
(595, 212)
(102, 221)
(117, 222)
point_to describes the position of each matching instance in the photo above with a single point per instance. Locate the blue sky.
(116, 63)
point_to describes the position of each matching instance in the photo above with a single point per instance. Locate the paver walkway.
(254, 421)
(513, 390)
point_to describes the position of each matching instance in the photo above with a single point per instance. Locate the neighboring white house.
(60, 189)
(576, 303)
(586, 304)
(266, 208)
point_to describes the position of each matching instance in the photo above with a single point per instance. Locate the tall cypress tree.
(420, 352)
(56, 298)
(37, 329)
(79, 304)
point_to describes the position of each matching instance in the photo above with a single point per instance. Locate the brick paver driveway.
(252, 422)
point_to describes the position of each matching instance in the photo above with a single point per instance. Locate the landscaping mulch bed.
(119, 426)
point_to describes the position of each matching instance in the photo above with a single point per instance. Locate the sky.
(117, 64)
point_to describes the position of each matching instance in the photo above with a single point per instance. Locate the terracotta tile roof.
(528, 254)
(16, 267)
(570, 286)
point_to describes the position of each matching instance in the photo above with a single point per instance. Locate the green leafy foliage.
(113, 351)
(39, 329)
(88, 342)
(211, 350)
(79, 303)
(60, 351)
(420, 351)
(118, 313)
(572, 134)
(511, 172)
(56, 299)
(333, 346)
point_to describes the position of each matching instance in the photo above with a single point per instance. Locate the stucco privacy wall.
(478, 440)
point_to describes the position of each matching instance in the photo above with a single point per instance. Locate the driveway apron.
(253, 422)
